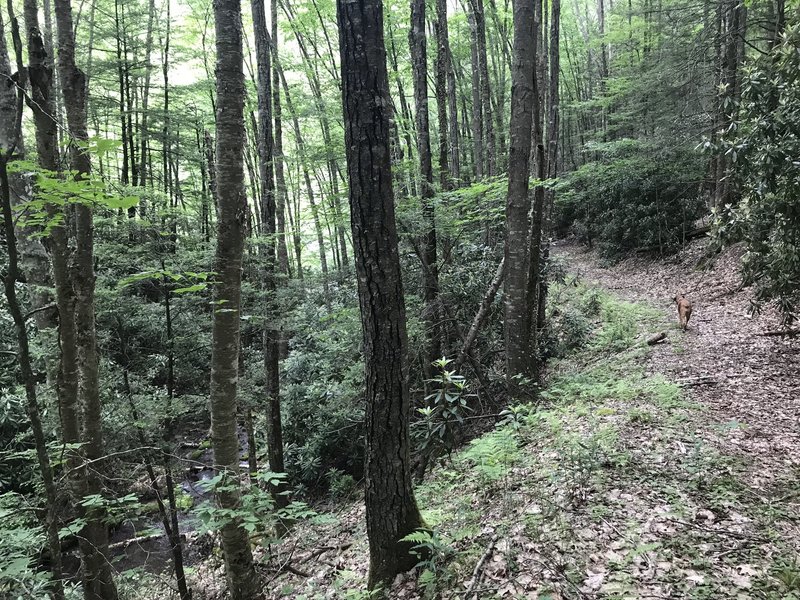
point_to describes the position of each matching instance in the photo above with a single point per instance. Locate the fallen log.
(657, 338)
(782, 333)
(694, 381)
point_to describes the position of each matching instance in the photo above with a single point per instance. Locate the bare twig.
(476, 573)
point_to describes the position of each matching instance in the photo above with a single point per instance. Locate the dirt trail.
(752, 380)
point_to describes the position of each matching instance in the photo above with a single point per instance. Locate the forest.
(369, 299)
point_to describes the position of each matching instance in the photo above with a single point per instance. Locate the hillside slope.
(645, 472)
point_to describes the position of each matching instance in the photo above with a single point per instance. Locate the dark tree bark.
(391, 508)
(268, 228)
(97, 579)
(485, 91)
(430, 267)
(519, 353)
(232, 204)
(442, 71)
(455, 136)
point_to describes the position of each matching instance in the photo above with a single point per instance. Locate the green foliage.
(433, 552)
(341, 485)
(635, 195)
(493, 454)
(21, 540)
(763, 145)
(323, 389)
(441, 420)
(256, 511)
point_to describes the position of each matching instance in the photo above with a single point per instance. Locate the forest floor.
(670, 471)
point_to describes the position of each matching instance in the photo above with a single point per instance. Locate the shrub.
(634, 196)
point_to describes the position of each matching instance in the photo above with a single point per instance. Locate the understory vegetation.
(374, 299)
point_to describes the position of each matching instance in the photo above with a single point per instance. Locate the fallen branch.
(320, 551)
(480, 316)
(476, 573)
(782, 333)
(141, 539)
(657, 338)
(694, 381)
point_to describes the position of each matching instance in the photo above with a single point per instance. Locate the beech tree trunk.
(97, 579)
(391, 508)
(519, 353)
(232, 204)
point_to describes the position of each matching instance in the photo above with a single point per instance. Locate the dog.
(684, 310)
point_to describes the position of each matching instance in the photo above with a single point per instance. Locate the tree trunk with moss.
(232, 207)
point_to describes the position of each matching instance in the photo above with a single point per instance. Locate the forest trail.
(645, 472)
(738, 375)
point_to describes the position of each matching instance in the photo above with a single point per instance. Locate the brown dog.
(684, 310)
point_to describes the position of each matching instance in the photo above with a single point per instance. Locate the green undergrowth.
(603, 488)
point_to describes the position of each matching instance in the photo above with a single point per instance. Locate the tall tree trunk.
(11, 147)
(552, 148)
(268, 228)
(391, 508)
(148, 50)
(477, 106)
(430, 267)
(519, 353)
(298, 136)
(97, 579)
(442, 70)
(325, 128)
(455, 141)
(280, 179)
(485, 91)
(232, 203)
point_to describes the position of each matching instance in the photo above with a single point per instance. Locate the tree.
(11, 148)
(268, 229)
(392, 511)
(763, 149)
(98, 582)
(430, 267)
(232, 206)
(519, 352)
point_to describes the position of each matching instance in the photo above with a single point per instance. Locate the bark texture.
(232, 206)
(98, 582)
(391, 508)
(430, 267)
(519, 353)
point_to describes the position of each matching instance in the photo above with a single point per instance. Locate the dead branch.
(657, 338)
(480, 316)
(781, 333)
(695, 381)
(476, 573)
(141, 539)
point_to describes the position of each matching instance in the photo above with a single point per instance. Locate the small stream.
(154, 555)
